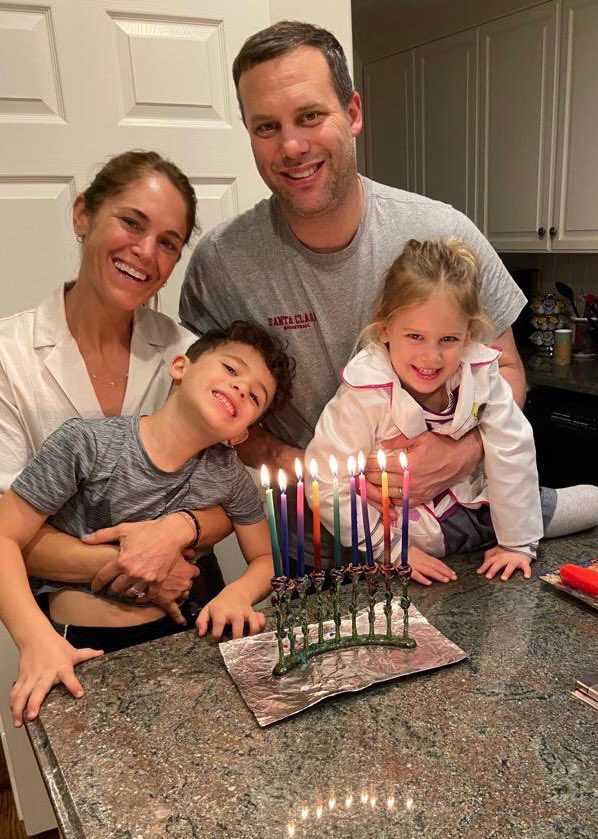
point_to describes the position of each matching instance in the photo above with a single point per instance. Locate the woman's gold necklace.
(115, 380)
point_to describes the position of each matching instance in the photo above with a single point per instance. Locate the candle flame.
(361, 461)
(390, 802)
(364, 797)
(313, 468)
(333, 465)
(265, 477)
(304, 813)
(282, 480)
(319, 811)
(331, 803)
(291, 829)
(298, 469)
(348, 801)
(351, 465)
(382, 460)
(409, 803)
(373, 801)
(403, 460)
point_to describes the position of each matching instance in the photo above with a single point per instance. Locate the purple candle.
(284, 522)
(364, 508)
(351, 465)
(300, 519)
(405, 517)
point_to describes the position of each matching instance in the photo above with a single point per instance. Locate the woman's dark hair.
(288, 35)
(269, 347)
(124, 169)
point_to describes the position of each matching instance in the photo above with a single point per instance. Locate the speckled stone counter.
(163, 746)
(579, 376)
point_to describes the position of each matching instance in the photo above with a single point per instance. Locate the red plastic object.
(585, 579)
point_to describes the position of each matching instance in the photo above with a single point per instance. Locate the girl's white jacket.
(370, 407)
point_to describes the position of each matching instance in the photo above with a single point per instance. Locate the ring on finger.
(135, 592)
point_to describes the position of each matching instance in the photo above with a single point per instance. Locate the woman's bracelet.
(195, 541)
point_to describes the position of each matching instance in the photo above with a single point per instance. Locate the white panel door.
(518, 65)
(576, 183)
(446, 98)
(81, 80)
(390, 121)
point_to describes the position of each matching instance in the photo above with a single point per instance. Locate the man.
(307, 262)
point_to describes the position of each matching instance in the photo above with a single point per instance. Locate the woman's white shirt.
(44, 380)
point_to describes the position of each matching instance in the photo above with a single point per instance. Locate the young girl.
(422, 368)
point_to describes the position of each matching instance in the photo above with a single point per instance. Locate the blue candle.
(284, 522)
(353, 494)
(364, 509)
(405, 517)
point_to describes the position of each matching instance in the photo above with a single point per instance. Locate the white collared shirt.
(371, 406)
(44, 380)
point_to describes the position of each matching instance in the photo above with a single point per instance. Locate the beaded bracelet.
(195, 541)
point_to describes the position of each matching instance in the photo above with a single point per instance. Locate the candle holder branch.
(291, 614)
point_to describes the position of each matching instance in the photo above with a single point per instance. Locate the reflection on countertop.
(162, 744)
(579, 376)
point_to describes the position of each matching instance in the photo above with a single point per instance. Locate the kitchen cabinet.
(390, 120)
(575, 216)
(517, 79)
(445, 96)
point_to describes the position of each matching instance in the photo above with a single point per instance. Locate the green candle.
(265, 477)
(336, 512)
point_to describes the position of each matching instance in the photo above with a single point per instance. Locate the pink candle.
(385, 506)
(300, 519)
(364, 508)
(315, 508)
(405, 522)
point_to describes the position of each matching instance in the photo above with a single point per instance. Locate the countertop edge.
(55, 782)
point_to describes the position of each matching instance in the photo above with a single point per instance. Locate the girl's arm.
(510, 466)
(45, 658)
(234, 603)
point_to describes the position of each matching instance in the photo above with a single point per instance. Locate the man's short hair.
(271, 348)
(288, 35)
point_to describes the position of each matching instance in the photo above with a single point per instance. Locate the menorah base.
(301, 656)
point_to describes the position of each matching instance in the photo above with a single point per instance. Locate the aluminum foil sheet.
(250, 661)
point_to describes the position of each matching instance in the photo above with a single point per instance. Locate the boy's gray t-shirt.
(95, 473)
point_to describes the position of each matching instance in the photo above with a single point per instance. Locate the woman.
(93, 348)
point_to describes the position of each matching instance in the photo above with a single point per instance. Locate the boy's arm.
(233, 604)
(45, 657)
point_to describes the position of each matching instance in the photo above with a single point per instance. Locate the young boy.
(91, 474)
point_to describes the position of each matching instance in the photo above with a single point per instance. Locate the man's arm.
(511, 366)
(263, 447)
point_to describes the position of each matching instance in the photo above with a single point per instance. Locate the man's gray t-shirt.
(95, 473)
(254, 267)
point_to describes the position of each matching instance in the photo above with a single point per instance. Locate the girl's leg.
(569, 509)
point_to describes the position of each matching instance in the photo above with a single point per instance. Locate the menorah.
(292, 616)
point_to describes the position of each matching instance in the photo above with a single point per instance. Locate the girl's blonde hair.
(423, 269)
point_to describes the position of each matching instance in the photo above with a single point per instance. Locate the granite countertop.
(162, 744)
(579, 376)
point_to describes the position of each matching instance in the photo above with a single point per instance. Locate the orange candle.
(315, 508)
(385, 506)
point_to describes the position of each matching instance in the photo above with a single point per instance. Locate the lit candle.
(405, 522)
(351, 466)
(337, 512)
(385, 506)
(364, 508)
(300, 519)
(284, 522)
(265, 479)
(315, 508)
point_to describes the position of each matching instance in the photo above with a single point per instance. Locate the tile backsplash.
(579, 270)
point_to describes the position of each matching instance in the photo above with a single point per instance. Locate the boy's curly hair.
(272, 349)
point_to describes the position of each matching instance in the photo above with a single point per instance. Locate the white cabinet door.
(389, 137)
(518, 65)
(576, 183)
(445, 95)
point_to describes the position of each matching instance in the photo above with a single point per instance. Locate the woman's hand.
(426, 568)
(497, 559)
(45, 662)
(148, 552)
(230, 606)
(435, 462)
